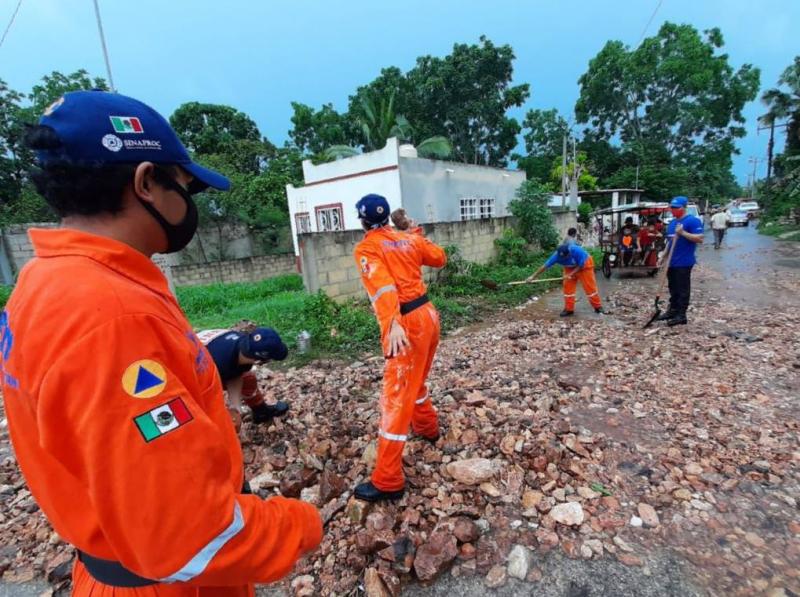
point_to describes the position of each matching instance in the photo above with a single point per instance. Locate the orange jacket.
(116, 414)
(390, 262)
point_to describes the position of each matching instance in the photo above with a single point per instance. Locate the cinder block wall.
(248, 269)
(328, 263)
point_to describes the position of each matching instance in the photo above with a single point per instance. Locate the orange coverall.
(586, 277)
(390, 262)
(116, 415)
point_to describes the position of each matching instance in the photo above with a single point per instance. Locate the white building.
(429, 190)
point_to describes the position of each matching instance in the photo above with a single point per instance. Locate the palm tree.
(378, 122)
(785, 104)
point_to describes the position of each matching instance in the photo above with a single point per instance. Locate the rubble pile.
(593, 437)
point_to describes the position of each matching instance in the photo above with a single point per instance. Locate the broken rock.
(435, 555)
(648, 515)
(496, 578)
(570, 514)
(519, 561)
(473, 471)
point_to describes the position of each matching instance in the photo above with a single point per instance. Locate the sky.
(259, 56)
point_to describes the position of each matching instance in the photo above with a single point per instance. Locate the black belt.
(406, 308)
(114, 574)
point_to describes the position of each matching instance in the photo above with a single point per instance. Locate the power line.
(652, 16)
(103, 43)
(10, 22)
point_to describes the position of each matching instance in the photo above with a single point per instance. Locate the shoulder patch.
(144, 379)
(162, 419)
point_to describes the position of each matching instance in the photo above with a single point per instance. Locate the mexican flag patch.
(163, 419)
(126, 124)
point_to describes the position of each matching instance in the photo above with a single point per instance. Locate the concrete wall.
(432, 189)
(328, 264)
(248, 269)
(178, 268)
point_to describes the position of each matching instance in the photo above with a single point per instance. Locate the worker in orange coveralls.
(390, 262)
(578, 265)
(116, 412)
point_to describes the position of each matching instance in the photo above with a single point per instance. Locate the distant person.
(719, 224)
(648, 238)
(234, 354)
(578, 265)
(627, 243)
(686, 231)
(572, 237)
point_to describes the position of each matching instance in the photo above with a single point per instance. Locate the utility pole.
(755, 161)
(770, 146)
(637, 177)
(103, 44)
(564, 172)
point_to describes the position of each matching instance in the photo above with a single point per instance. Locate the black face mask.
(178, 235)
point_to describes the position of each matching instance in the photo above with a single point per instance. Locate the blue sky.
(260, 55)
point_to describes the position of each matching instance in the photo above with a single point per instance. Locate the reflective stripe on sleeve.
(381, 290)
(421, 400)
(203, 557)
(392, 437)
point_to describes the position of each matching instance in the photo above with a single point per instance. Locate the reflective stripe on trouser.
(587, 279)
(251, 394)
(402, 404)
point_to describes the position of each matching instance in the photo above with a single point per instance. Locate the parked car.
(691, 209)
(751, 208)
(737, 217)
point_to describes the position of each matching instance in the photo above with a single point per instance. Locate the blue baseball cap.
(374, 209)
(98, 127)
(263, 343)
(679, 201)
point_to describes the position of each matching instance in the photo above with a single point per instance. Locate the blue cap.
(563, 250)
(98, 127)
(374, 209)
(679, 201)
(263, 343)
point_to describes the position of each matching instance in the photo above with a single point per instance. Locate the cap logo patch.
(379, 209)
(144, 379)
(126, 124)
(257, 338)
(54, 106)
(112, 143)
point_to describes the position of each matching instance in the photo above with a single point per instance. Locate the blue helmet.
(679, 202)
(373, 209)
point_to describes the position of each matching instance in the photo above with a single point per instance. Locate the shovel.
(492, 285)
(662, 277)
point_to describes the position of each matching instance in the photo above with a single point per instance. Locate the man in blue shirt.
(578, 265)
(687, 232)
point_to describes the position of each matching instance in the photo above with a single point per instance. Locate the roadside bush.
(534, 219)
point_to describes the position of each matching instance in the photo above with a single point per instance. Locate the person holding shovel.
(578, 265)
(686, 232)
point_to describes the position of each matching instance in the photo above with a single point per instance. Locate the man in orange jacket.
(390, 262)
(578, 265)
(114, 407)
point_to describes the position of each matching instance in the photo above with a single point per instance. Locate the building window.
(469, 209)
(486, 208)
(302, 222)
(329, 218)
(475, 208)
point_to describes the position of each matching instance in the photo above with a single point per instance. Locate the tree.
(534, 218)
(209, 129)
(20, 203)
(786, 104)
(586, 182)
(672, 101)
(313, 131)
(543, 133)
(463, 97)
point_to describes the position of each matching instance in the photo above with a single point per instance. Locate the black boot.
(666, 316)
(677, 320)
(598, 310)
(369, 493)
(566, 313)
(264, 413)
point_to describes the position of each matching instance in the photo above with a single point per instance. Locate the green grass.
(5, 292)
(792, 231)
(349, 329)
